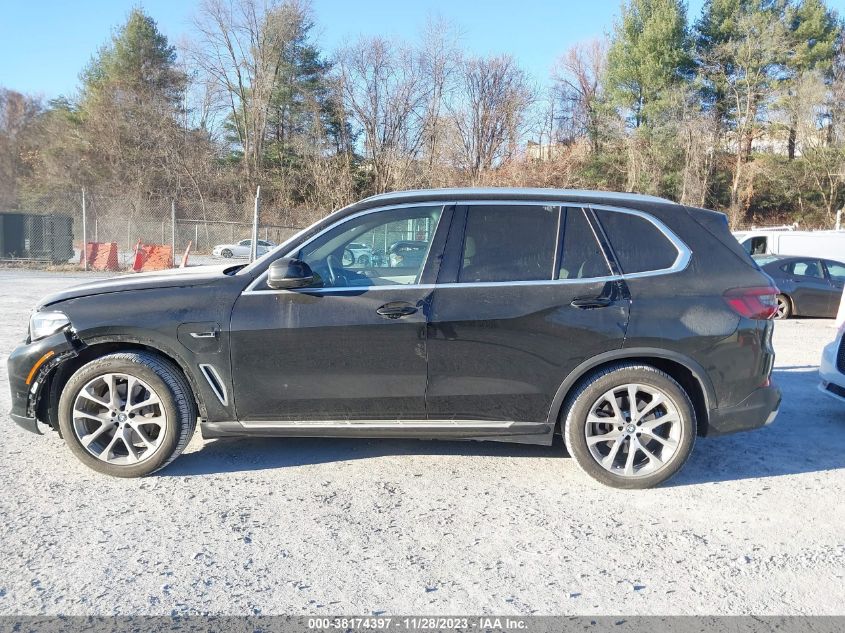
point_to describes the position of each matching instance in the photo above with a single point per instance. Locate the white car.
(357, 253)
(242, 249)
(832, 369)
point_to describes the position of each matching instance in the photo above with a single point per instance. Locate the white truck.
(821, 244)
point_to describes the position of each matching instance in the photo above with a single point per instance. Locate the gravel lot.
(754, 523)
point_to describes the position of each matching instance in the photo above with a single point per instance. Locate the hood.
(172, 278)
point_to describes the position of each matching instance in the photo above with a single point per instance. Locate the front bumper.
(26, 374)
(760, 408)
(832, 380)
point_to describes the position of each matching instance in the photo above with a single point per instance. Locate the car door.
(351, 347)
(813, 291)
(243, 248)
(836, 277)
(525, 294)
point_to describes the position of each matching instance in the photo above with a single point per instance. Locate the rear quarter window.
(638, 244)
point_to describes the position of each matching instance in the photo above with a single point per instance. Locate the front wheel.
(127, 414)
(226, 253)
(630, 426)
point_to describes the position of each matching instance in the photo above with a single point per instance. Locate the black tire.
(226, 253)
(784, 307)
(590, 390)
(363, 260)
(169, 383)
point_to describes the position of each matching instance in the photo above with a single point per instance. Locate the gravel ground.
(753, 524)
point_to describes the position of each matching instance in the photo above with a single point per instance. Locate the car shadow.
(808, 436)
(246, 454)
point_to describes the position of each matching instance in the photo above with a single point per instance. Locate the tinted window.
(509, 243)
(373, 249)
(836, 270)
(804, 268)
(639, 245)
(581, 256)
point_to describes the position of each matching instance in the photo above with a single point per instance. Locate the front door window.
(383, 248)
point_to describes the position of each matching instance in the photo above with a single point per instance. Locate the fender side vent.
(215, 382)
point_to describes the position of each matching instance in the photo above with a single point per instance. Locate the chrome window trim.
(681, 260)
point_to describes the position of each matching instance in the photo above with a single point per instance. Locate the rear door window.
(638, 244)
(581, 256)
(836, 270)
(804, 268)
(509, 243)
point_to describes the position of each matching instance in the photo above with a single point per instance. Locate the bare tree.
(387, 98)
(490, 112)
(576, 88)
(18, 117)
(240, 49)
(439, 58)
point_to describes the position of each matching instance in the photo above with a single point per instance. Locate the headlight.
(43, 324)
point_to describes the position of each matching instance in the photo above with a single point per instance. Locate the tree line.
(740, 109)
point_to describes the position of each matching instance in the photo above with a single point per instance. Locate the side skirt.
(503, 431)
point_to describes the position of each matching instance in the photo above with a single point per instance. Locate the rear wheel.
(630, 426)
(127, 414)
(784, 310)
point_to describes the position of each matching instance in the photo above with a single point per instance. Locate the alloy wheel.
(633, 430)
(119, 419)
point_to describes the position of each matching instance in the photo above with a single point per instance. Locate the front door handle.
(396, 310)
(587, 303)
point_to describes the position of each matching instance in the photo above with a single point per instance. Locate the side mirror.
(287, 273)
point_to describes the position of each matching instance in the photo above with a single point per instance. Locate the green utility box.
(43, 237)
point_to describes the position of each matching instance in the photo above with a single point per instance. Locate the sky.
(44, 44)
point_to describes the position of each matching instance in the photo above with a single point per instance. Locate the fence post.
(839, 219)
(253, 248)
(173, 229)
(84, 238)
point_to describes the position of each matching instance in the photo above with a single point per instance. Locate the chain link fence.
(52, 228)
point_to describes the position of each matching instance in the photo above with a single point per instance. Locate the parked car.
(406, 253)
(808, 286)
(823, 244)
(626, 323)
(242, 249)
(356, 253)
(832, 368)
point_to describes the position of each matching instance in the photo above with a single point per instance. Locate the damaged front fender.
(29, 368)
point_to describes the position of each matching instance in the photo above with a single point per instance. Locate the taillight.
(759, 302)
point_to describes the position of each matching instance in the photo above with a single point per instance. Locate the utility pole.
(84, 234)
(173, 229)
(253, 247)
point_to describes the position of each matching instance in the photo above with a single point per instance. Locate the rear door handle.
(587, 303)
(396, 310)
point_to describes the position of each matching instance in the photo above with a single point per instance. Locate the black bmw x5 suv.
(626, 323)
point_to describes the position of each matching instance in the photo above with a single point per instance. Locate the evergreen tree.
(130, 109)
(648, 57)
(813, 32)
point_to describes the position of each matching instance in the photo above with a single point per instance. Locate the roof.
(507, 193)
